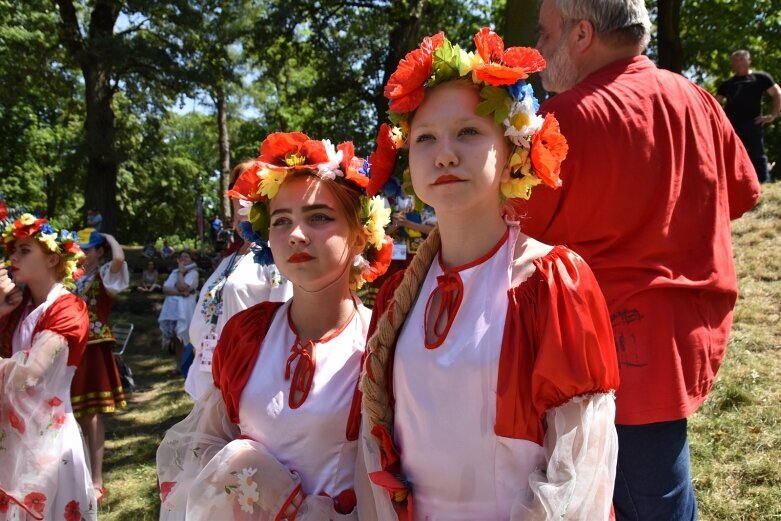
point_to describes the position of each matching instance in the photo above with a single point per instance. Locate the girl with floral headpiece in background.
(43, 335)
(97, 387)
(489, 379)
(276, 435)
(245, 276)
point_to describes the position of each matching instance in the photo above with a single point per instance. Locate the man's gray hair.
(740, 52)
(618, 21)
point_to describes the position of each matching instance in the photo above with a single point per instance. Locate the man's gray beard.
(560, 74)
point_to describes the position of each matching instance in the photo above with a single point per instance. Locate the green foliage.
(712, 29)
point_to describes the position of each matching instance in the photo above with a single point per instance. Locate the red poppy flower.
(165, 488)
(504, 67)
(35, 501)
(381, 161)
(54, 401)
(247, 185)
(3, 210)
(549, 148)
(72, 247)
(73, 511)
(16, 422)
(406, 86)
(351, 165)
(313, 152)
(58, 420)
(5, 501)
(378, 260)
(280, 145)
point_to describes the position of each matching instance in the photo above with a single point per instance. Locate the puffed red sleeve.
(576, 352)
(237, 351)
(558, 344)
(67, 317)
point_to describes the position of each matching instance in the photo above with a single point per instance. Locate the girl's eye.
(468, 131)
(282, 221)
(320, 218)
(423, 137)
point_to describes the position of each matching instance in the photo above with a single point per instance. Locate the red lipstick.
(301, 256)
(447, 179)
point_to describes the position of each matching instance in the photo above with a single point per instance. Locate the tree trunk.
(669, 35)
(404, 37)
(102, 164)
(225, 155)
(520, 29)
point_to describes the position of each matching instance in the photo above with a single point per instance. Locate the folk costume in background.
(97, 387)
(276, 435)
(43, 469)
(240, 281)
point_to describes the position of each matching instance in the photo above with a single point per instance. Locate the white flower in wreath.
(331, 169)
(246, 206)
(522, 122)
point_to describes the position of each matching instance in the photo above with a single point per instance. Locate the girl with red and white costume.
(276, 435)
(43, 335)
(489, 381)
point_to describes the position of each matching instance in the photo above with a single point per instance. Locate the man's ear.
(582, 35)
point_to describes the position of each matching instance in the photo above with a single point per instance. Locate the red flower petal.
(247, 185)
(165, 488)
(548, 150)
(278, 145)
(73, 511)
(54, 402)
(35, 501)
(379, 260)
(405, 86)
(3, 211)
(314, 152)
(16, 422)
(498, 75)
(381, 161)
(526, 58)
(432, 43)
(489, 45)
(348, 153)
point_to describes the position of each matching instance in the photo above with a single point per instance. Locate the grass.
(735, 437)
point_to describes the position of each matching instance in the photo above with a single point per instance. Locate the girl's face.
(150, 266)
(92, 256)
(185, 259)
(30, 262)
(457, 159)
(309, 235)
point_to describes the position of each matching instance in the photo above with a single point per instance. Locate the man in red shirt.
(653, 177)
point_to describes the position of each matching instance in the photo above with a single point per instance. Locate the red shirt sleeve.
(558, 344)
(237, 351)
(67, 317)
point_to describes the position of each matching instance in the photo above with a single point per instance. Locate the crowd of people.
(516, 329)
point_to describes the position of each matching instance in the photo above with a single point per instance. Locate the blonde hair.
(374, 385)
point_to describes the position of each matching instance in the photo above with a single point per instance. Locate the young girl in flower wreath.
(276, 435)
(489, 380)
(43, 335)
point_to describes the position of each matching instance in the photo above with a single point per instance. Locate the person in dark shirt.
(743, 93)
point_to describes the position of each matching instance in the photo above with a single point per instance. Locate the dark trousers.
(753, 138)
(652, 479)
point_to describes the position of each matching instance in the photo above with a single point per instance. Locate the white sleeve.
(170, 282)
(115, 282)
(581, 450)
(191, 278)
(189, 446)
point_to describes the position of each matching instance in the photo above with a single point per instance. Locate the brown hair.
(374, 384)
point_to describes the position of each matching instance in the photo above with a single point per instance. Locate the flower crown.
(539, 147)
(284, 153)
(64, 242)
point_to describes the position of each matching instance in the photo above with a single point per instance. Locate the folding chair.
(122, 332)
